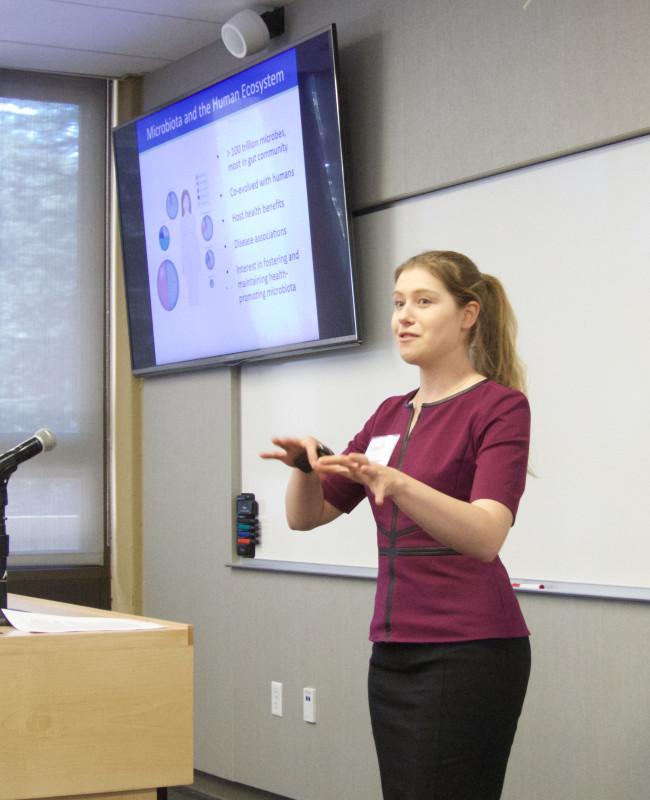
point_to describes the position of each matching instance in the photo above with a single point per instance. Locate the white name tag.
(381, 448)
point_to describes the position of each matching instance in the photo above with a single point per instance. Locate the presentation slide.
(226, 217)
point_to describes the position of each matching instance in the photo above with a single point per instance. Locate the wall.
(125, 414)
(434, 92)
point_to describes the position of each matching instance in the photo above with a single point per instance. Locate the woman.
(443, 468)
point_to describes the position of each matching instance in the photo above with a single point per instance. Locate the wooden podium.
(94, 716)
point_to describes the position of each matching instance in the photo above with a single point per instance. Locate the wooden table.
(94, 716)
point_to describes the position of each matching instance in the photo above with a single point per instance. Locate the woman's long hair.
(491, 340)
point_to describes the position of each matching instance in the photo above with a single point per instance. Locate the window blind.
(53, 144)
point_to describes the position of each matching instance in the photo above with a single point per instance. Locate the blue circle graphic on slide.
(172, 205)
(167, 285)
(163, 237)
(209, 259)
(207, 228)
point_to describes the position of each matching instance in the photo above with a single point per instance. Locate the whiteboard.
(570, 240)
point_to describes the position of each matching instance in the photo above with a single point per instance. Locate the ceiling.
(110, 38)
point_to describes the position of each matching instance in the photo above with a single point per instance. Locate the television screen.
(234, 220)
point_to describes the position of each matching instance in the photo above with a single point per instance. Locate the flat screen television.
(234, 218)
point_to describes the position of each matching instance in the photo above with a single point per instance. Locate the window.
(53, 145)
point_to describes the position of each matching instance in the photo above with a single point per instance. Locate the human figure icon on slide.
(190, 252)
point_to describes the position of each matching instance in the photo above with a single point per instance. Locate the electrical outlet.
(276, 698)
(309, 705)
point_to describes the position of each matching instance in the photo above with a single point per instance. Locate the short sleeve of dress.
(502, 452)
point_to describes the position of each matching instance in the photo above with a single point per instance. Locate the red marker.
(528, 586)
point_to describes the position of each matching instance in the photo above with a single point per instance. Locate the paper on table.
(51, 623)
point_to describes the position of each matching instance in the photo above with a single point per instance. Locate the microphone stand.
(4, 541)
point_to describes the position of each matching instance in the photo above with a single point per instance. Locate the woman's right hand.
(292, 448)
(305, 505)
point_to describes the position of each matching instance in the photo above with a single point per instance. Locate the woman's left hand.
(382, 481)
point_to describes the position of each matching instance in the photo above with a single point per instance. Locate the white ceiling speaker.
(248, 32)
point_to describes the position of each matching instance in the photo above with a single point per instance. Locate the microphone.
(42, 440)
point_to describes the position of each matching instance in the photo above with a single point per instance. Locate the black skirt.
(444, 716)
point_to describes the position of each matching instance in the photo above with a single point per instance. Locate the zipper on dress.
(392, 550)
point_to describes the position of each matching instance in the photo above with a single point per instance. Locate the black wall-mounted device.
(248, 526)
